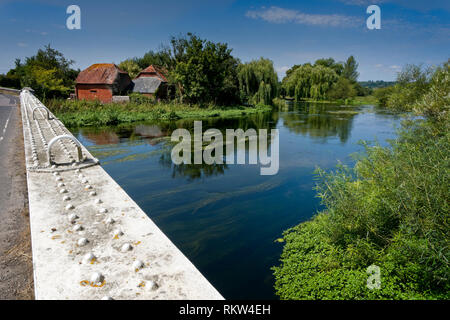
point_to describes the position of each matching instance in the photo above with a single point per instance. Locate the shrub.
(382, 95)
(342, 89)
(425, 92)
(435, 103)
(139, 98)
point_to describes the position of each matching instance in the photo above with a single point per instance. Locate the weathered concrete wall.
(90, 240)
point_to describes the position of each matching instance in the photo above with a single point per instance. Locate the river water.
(226, 218)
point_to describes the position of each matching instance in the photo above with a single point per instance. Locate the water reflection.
(226, 219)
(191, 171)
(320, 121)
(158, 134)
(102, 138)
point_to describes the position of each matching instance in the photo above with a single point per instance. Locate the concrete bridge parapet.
(90, 240)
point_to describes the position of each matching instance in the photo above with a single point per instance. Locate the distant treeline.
(376, 84)
(202, 72)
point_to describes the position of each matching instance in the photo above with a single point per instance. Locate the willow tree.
(258, 81)
(309, 82)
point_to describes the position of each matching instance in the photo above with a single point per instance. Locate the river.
(227, 218)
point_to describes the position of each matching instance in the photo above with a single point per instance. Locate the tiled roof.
(100, 73)
(152, 70)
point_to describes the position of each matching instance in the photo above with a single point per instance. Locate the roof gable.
(100, 73)
(153, 71)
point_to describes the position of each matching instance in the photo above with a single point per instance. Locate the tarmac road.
(16, 270)
(7, 106)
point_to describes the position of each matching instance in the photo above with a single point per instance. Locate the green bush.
(139, 98)
(435, 103)
(382, 95)
(415, 88)
(342, 89)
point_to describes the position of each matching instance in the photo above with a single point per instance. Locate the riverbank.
(356, 101)
(384, 225)
(92, 113)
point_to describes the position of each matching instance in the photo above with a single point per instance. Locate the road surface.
(16, 271)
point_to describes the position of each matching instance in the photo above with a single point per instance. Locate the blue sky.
(287, 32)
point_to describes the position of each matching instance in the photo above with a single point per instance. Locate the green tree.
(435, 102)
(47, 81)
(205, 71)
(382, 95)
(342, 89)
(330, 63)
(9, 81)
(361, 90)
(48, 73)
(162, 58)
(412, 83)
(199, 71)
(258, 81)
(309, 82)
(350, 70)
(131, 67)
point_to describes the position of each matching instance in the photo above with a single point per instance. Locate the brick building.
(101, 81)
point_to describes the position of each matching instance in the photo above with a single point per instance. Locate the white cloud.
(281, 71)
(388, 71)
(280, 15)
(42, 33)
(419, 5)
(363, 2)
(22, 44)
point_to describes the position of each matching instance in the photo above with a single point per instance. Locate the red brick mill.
(104, 81)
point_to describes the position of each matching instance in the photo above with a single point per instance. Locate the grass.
(364, 100)
(92, 113)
